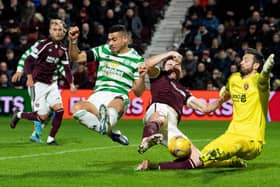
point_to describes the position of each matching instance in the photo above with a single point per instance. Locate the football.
(179, 147)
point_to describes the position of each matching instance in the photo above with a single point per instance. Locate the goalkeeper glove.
(222, 92)
(268, 65)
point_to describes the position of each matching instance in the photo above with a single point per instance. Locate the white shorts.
(169, 128)
(44, 97)
(105, 97)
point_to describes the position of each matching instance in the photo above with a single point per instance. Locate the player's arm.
(198, 105)
(151, 62)
(20, 66)
(67, 69)
(138, 86)
(74, 52)
(264, 75)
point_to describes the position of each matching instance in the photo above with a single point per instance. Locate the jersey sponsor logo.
(239, 98)
(109, 70)
(51, 59)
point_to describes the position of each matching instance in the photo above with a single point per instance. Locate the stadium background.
(211, 35)
(84, 158)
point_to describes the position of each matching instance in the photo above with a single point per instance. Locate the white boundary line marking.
(75, 151)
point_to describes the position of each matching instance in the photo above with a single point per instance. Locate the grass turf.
(85, 158)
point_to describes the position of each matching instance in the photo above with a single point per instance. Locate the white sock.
(19, 114)
(113, 116)
(88, 119)
(50, 139)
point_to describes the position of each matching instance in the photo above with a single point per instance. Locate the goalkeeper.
(249, 91)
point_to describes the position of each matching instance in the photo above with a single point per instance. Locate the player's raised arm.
(139, 84)
(74, 52)
(267, 67)
(157, 59)
(151, 62)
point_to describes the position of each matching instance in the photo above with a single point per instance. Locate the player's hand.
(142, 69)
(29, 82)
(73, 88)
(73, 33)
(268, 65)
(17, 76)
(176, 56)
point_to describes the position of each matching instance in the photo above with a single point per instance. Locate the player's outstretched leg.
(151, 136)
(234, 162)
(214, 154)
(15, 119)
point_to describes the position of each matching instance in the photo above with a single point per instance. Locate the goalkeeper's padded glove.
(268, 65)
(222, 92)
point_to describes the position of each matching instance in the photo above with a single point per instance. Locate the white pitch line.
(75, 151)
(61, 152)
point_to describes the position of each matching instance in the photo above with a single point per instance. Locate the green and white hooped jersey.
(116, 72)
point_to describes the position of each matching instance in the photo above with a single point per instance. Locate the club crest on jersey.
(246, 86)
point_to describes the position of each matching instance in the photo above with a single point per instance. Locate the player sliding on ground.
(245, 136)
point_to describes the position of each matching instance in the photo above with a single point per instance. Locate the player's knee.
(76, 107)
(43, 117)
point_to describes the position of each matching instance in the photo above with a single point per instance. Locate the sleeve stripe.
(64, 62)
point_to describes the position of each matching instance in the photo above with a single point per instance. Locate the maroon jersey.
(168, 91)
(43, 59)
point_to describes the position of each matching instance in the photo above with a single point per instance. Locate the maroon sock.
(56, 122)
(150, 128)
(177, 164)
(30, 116)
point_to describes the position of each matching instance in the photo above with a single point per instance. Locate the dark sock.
(150, 128)
(30, 116)
(56, 122)
(177, 164)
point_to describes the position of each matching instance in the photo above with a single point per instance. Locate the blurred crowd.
(215, 34)
(24, 22)
(212, 37)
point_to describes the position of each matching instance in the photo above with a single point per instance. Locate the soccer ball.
(179, 147)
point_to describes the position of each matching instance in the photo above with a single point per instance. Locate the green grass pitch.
(85, 158)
